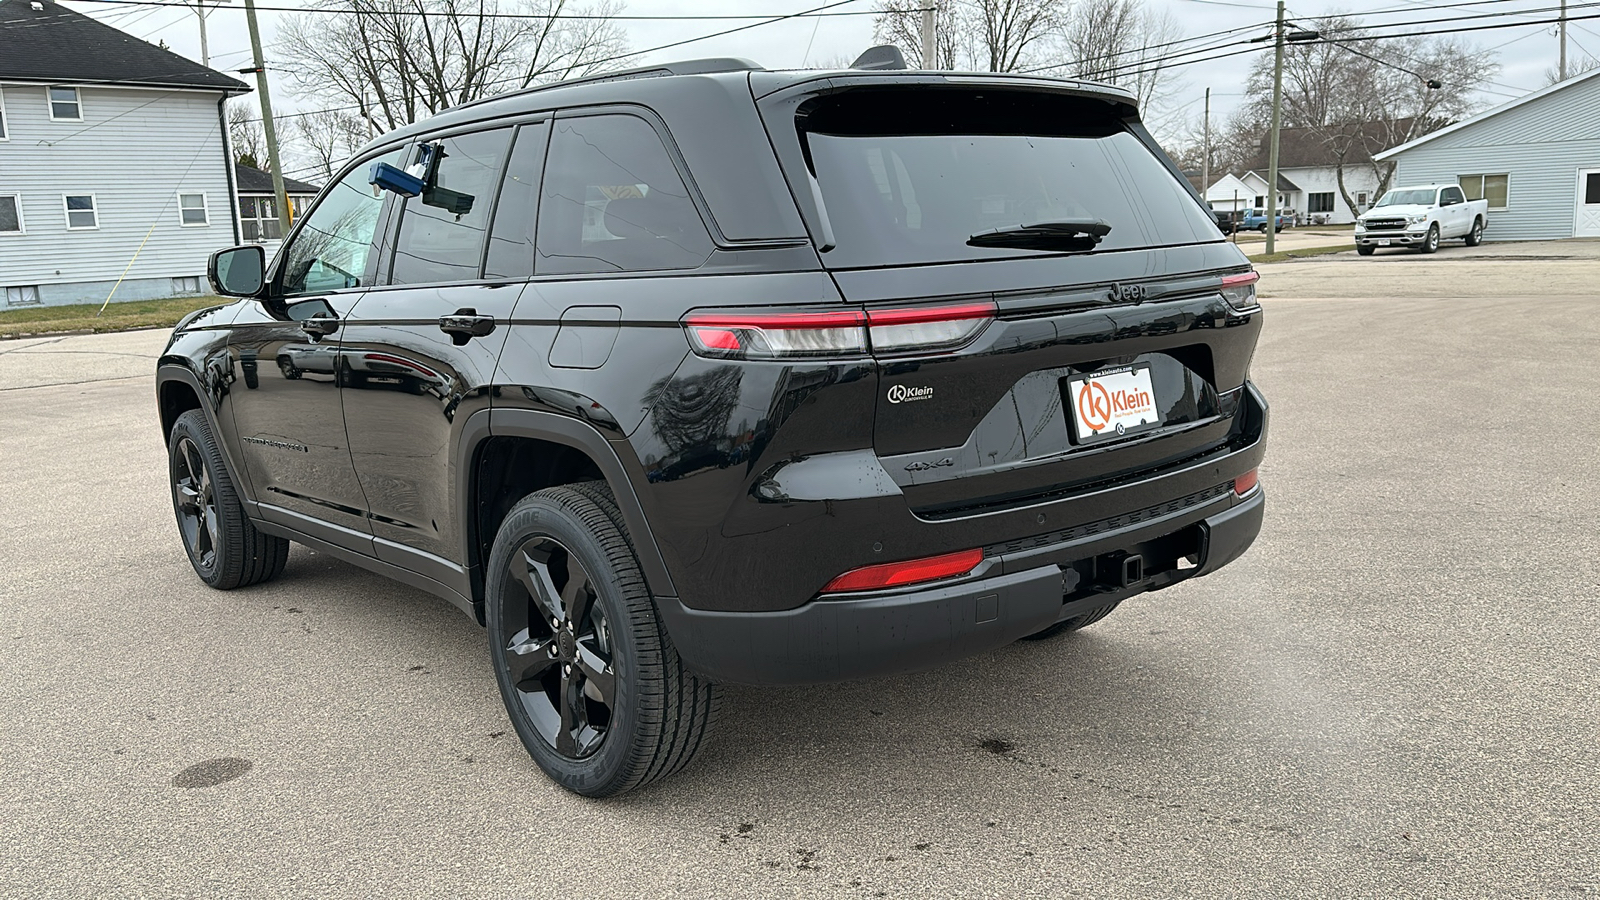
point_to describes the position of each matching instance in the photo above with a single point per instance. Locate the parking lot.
(1395, 693)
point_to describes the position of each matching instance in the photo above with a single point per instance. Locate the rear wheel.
(1475, 236)
(590, 679)
(1075, 623)
(1364, 249)
(1430, 244)
(224, 548)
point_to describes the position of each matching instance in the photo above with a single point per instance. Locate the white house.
(1536, 160)
(1308, 181)
(258, 204)
(113, 162)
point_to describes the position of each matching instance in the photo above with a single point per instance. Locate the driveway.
(1396, 693)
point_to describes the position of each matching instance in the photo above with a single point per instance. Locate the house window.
(81, 214)
(1363, 199)
(64, 105)
(10, 214)
(1261, 199)
(1494, 188)
(259, 218)
(1319, 203)
(189, 285)
(192, 209)
(23, 296)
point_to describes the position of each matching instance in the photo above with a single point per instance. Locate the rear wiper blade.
(1065, 234)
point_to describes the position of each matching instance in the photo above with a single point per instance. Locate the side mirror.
(237, 271)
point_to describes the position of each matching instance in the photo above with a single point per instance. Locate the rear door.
(420, 349)
(917, 184)
(1588, 213)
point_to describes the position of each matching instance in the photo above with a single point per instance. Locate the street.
(1395, 693)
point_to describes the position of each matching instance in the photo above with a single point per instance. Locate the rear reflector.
(1245, 483)
(912, 571)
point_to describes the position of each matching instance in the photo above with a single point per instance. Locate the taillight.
(736, 334)
(912, 571)
(1246, 483)
(1240, 290)
(923, 328)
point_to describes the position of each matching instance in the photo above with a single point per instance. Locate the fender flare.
(570, 432)
(169, 371)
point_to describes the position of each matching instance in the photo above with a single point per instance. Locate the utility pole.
(1562, 27)
(205, 53)
(272, 131)
(1205, 165)
(930, 40)
(1277, 122)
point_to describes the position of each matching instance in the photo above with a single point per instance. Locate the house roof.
(51, 43)
(1489, 114)
(1284, 184)
(1304, 148)
(254, 181)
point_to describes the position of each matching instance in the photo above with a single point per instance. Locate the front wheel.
(1475, 236)
(1364, 249)
(1430, 244)
(1262, 229)
(590, 679)
(224, 548)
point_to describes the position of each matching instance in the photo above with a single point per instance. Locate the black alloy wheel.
(591, 681)
(225, 549)
(559, 656)
(196, 502)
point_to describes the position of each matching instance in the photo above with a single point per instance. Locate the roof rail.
(683, 67)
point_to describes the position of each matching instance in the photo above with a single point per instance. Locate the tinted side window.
(511, 238)
(1453, 195)
(441, 231)
(613, 202)
(330, 250)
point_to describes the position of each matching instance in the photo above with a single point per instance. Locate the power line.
(624, 17)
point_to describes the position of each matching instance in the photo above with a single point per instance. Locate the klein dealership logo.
(1098, 406)
(900, 393)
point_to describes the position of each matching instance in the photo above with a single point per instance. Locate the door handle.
(466, 324)
(319, 326)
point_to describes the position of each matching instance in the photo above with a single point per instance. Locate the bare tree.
(397, 61)
(1121, 42)
(329, 138)
(245, 134)
(1360, 96)
(1575, 67)
(984, 35)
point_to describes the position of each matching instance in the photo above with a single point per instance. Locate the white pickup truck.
(1421, 217)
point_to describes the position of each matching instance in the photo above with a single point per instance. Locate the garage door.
(1588, 222)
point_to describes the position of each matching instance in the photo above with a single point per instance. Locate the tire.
(226, 551)
(1430, 244)
(1475, 236)
(1262, 229)
(602, 701)
(1076, 623)
(1365, 250)
(288, 369)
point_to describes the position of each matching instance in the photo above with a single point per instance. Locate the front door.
(291, 430)
(1588, 219)
(420, 352)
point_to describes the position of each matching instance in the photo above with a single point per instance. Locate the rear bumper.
(1016, 594)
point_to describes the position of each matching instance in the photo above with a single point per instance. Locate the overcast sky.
(1527, 51)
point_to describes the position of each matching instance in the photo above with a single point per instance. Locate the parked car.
(1257, 219)
(1421, 217)
(704, 373)
(1227, 220)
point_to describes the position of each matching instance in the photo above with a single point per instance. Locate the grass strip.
(81, 318)
(1299, 253)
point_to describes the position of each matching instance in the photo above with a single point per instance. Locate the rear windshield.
(908, 176)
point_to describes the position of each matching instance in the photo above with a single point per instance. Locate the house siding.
(135, 150)
(1541, 144)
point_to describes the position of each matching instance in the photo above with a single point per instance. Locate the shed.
(1536, 159)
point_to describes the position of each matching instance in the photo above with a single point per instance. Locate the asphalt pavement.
(1394, 694)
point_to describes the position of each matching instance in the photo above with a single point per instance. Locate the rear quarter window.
(908, 176)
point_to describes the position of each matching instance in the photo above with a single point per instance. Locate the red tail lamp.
(911, 571)
(1246, 483)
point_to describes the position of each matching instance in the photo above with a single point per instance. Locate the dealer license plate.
(1383, 243)
(1112, 403)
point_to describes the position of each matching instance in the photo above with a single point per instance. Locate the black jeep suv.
(708, 373)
